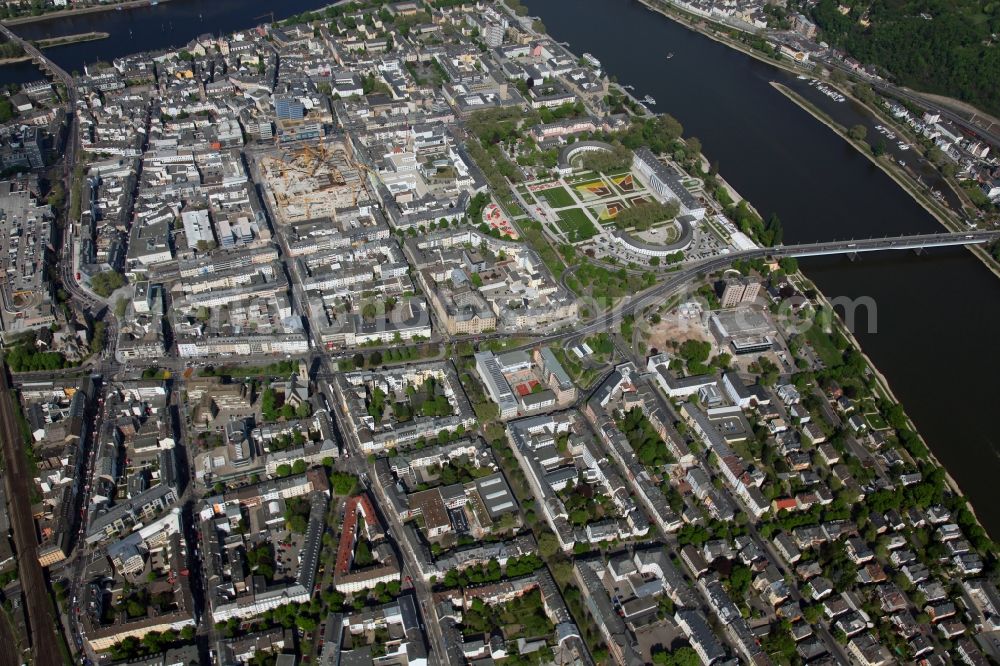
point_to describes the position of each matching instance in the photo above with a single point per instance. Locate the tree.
(953, 54)
(694, 146)
(343, 483)
(106, 282)
(296, 523)
(684, 656)
(363, 554)
(645, 215)
(268, 406)
(739, 581)
(605, 161)
(299, 466)
(936, 156)
(359, 360)
(283, 470)
(858, 132)
(548, 545)
(6, 110)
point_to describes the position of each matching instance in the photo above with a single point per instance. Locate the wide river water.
(937, 317)
(938, 321)
(168, 24)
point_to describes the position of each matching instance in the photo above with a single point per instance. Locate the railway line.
(42, 618)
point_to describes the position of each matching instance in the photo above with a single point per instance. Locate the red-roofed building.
(785, 503)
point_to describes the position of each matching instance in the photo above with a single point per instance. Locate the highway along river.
(938, 321)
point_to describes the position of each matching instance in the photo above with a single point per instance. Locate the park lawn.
(576, 225)
(581, 177)
(876, 421)
(557, 197)
(822, 344)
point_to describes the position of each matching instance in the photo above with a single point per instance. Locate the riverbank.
(698, 24)
(882, 385)
(787, 164)
(932, 207)
(11, 61)
(92, 9)
(70, 39)
(951, 225)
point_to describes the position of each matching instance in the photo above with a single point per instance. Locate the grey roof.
(698, 632)
(553, 365)
(669, 178)
(496, 494)
(309, 555)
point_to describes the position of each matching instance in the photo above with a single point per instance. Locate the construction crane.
(317, 155)
(270, 14)
(363, 172)
(338, 176)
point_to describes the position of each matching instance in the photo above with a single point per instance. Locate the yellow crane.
(363, 172)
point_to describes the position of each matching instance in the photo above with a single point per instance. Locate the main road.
(674, 282)
(358, 465)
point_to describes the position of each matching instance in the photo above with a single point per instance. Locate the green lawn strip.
(576, 225)
(557, 197)
(822, 344)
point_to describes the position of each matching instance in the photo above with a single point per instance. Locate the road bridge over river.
(676, 281)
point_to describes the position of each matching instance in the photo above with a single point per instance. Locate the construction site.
(25, 237)
(311, 181)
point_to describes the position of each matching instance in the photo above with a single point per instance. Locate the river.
(937, 316)
(166, 25)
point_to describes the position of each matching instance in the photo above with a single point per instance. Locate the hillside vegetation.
(946, 47)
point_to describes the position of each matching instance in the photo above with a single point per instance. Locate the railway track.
(42, 618)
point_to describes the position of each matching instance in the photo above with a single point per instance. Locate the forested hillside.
(949, 47)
